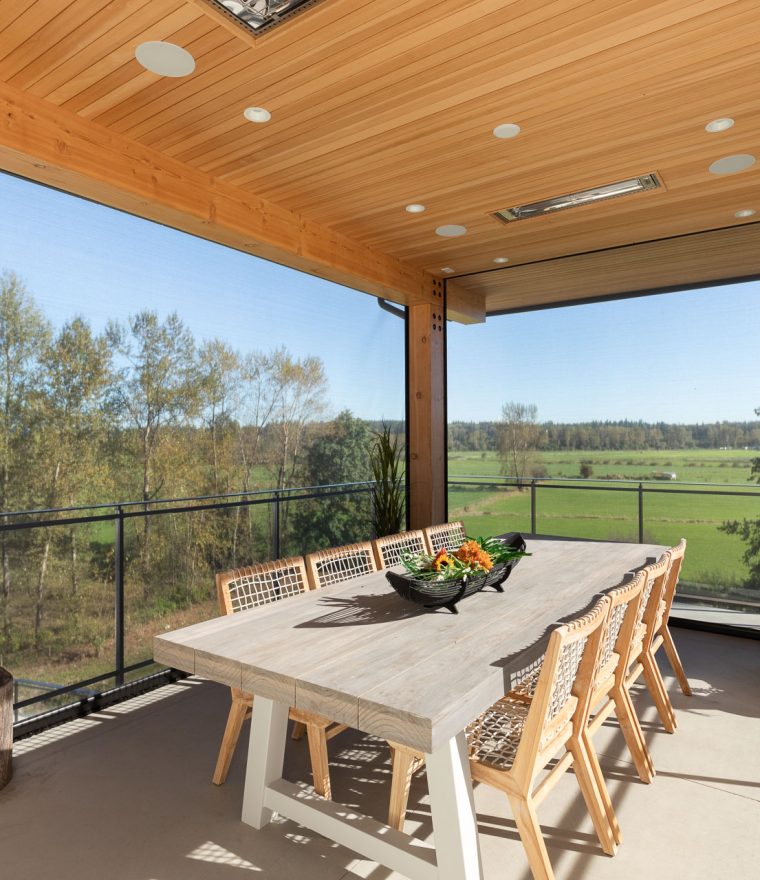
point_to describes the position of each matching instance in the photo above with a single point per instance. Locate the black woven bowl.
(431, 594)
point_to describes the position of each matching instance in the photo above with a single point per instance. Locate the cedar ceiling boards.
(379, 103)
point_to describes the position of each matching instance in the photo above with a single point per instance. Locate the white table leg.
(455, 826)
(266, 754)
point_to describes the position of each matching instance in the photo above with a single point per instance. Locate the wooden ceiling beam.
(464, 306)
(54, 146)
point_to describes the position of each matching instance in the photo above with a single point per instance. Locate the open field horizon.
(713, 558)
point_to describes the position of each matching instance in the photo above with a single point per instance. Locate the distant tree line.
(611, 436)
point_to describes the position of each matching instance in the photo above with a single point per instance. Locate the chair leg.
(633, 735)
(238, 712)
(594, 791)
(531, 836)
(403, 766)
(656, 687)
(299, 729)
(320, 768)
(675, 660)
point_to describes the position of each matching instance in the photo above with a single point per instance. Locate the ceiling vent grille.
(260, 16)
(582, 197)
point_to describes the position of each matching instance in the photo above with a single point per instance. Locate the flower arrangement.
(476, 556)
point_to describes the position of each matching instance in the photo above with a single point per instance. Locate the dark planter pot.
(6, 727)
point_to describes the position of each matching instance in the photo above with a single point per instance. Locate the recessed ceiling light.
(451, 230)
(414, 209)
(501, 259)
(732, 164)
(165, 59)
(722, 124)
(234, 7)
(447, 270)
(745, 212)
(507, 130)
(257, 114)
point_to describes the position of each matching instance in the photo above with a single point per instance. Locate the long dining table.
(359, 654)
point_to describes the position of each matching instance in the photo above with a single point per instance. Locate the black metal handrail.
(119, 512)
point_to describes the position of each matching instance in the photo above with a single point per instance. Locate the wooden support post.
(426, 429)
(6, 726)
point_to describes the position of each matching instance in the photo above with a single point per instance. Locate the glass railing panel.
(489, 509)
(171, 560)
(326, 520)
(587, 510)
(714, 569)
(56, 611)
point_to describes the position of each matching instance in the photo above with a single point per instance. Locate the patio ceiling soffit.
(56, 147)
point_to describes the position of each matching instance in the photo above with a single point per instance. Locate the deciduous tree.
(156, 390)
(519, 433)
(24, 334)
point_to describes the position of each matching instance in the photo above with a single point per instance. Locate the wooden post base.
(6, 727)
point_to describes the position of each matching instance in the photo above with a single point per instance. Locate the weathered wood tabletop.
(360, 654)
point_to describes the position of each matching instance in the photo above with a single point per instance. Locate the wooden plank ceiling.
(380, 103)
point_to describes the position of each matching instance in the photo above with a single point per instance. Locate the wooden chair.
(446, 535)
(250, 587)
(515, 740)
(609, 692)
(662, 636)
(390, 548)
(642, 661)
(338, 564)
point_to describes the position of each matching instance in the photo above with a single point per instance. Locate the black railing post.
(533, 506)
(373, 510)
(641, 513)
(276, 554)
(119, 594)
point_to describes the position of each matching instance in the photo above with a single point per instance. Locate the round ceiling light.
(507, 130)
(257, 114)
(414, 209)
(501, 259)
(447, 270)
(165, 59)
(451, 230)
(732, 164)
(722, 124)
(745, 212)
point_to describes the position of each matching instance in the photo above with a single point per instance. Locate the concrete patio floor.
(126, 794)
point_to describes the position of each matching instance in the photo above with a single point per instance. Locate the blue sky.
(685, 357)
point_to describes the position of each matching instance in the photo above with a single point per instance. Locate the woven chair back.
(562, 697)
(677, 554)
(339, 564)
(651, 597)
(390, 548)
(625, 602)
(253, 585)
(449, 536)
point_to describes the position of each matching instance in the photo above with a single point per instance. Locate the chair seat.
(493, 738)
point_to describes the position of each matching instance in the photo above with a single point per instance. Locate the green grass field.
(713, 557)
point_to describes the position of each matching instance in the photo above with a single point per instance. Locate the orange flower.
(472, 554)
(441, 560)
